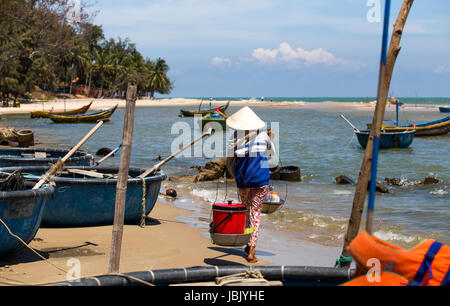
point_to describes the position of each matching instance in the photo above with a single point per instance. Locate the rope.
(144, 190)
(342, 259)
(247, 277)
(31, 249)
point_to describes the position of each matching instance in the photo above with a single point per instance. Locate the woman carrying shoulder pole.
(248, 153)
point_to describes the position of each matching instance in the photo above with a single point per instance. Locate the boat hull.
(22, 212)
(444, 109)
(22, 157)
(86, 118)
(432, 128)
(43, 114)
(388, 140)
(83, 202)
(192, 113)
(215, 124)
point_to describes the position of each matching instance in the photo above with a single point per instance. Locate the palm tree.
(102, 65)
(159, 82)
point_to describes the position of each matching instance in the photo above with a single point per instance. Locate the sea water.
(316, 140)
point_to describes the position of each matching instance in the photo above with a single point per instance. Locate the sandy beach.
(162, 244)
(69, 104)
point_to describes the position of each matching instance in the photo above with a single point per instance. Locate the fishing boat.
(86, 118)
(431, 128)
(12, 157)
(21, 211)
(388, 140)
(43, 114)
(192, 113)
(214, 120)
(85, 196)
(444, 109)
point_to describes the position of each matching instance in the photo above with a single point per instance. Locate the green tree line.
(42, 47)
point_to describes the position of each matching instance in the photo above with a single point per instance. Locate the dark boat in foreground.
(388, 140)
(431, 128)
(444, 109)
(192, 113)
(44, 114)
(86, 118)
(21, 157)
(22, 212)
(218, 276)
(85, 196)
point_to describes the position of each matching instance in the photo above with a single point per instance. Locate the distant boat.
(86, 195)
(86, 118)
(388, 140)
(431, 128)
(22, 213)
(192, 113)
(43, 114)
(214, 118)
(444, 109)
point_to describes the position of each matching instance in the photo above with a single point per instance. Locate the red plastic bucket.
(228, 218)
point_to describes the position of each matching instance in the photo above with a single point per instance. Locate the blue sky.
(283, 48)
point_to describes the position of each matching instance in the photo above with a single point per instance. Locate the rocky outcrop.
(213, 170)
(403, 182)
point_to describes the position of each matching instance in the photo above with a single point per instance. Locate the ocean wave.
(440, 192)
(391, 236)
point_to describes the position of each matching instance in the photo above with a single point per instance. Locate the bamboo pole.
(55, 168)
(159, 165)
(385, 77)
(109, 155)
(121, 189)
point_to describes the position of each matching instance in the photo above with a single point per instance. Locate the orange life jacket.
(387, 279)
(426, 264)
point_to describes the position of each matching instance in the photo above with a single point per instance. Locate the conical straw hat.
(245, 120)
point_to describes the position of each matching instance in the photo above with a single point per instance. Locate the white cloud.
(220, 62)
(285, 53)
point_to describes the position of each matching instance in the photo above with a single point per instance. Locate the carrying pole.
(121, 189)
(386, 69)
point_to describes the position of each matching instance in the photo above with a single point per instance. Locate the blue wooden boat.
(81, 200)
(430, 128)
(22, 212)
(444, 109)
(388, 140)
(10, 157)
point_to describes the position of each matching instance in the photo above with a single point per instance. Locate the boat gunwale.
(44, 191)
(83, 156)
(388, 133)
(159, 177)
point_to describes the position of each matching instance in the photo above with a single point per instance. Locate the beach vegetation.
(42, 49)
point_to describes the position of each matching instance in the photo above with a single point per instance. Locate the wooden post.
(121, 191)
(375, 131)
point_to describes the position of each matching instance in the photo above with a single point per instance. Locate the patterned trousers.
(253, 199)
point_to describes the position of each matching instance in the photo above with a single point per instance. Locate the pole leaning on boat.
(55, 168)
(388, 58)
